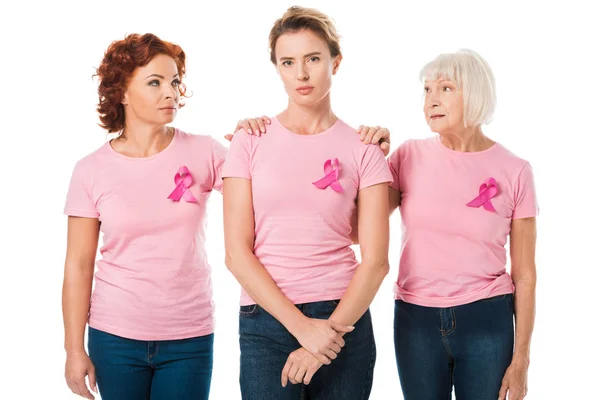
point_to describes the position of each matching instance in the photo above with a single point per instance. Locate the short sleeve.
(373, 168)
(525, 197)
(394, 164)
(79, 199)
(218, 155)
(237, 162)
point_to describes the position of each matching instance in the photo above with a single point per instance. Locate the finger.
(341, 327)
(380, 135)
(370, 134)
(385, 147)
(299, 377)
(229, 136)
(322, 358)
(82, 389)
(363, 130)
(503, 390)
(243, 124)
(331, 354)
(266, 119)
(254, 127)
(336, 347)
(309, 375)
(285, 372)
(339, 340)
(92, 380)
(261, 125)
(292, 373)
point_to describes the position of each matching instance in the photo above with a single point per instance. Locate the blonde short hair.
(299, 18)
(473, 76)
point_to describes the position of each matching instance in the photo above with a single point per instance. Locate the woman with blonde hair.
(289, 198)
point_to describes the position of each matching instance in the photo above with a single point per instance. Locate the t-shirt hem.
(373, 182)
(300, 300)
(233, 175)
(453, 301)
(74, 212)
(522, 215)
(136, 335)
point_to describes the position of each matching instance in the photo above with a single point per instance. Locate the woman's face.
(152, 94)
(305, 65)
(443, 107)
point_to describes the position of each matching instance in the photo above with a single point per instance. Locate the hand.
(79, 365)
(515, 381)
(254, 126)
(300, 367)
(322, 338)
(376, 135)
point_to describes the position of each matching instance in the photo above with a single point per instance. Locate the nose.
(171, 92)
(302, 73)
(433, 99)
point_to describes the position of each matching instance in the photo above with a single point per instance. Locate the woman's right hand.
(77, 367)
(323, 338)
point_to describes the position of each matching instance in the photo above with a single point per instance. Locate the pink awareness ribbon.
(183, 180)
(332, 174)
(487, 191)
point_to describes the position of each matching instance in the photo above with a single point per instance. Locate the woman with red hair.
(151, 312)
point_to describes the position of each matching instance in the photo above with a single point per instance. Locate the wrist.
(297, 324)
(521, 359)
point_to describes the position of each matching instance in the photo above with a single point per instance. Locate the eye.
(426, 89)
(154, 82)
(314, 59)
(176, 82)
(447, 89)
(286, 63)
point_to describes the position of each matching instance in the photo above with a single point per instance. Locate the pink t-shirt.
(153, 279)
(454, 254)
(303, 231)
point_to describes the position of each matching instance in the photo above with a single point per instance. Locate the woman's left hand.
(300, 367)
(514, 382)
(375, 135)
(254, 126)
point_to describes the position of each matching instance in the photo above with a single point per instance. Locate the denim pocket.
(248, 311)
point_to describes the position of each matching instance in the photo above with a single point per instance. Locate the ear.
(125, 99)
(336, 63)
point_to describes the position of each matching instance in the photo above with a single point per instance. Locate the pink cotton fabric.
(454, 252)
(153, 279)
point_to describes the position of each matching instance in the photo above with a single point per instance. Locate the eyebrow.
(314, 53)
(160, 76)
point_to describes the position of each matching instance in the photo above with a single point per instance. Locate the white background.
(543, 56)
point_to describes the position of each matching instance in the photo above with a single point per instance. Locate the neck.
(468, 140)
(142, 140)
(308, 119)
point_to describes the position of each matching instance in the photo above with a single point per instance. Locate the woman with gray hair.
(461, 197)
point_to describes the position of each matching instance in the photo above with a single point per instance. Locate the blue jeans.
(468, 347)
(265, 345)
(129, 369)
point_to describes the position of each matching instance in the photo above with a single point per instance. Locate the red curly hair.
(120, 60)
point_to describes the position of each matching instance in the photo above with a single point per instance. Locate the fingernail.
(362, 137)
(262, 130)
(250, 131)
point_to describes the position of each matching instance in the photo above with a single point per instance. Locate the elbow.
(234, 256)
(379, 268)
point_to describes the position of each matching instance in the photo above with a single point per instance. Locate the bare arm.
(82, 243)
(393, 202)
(373, 223)
(523, 272)
(317, 336)
(522, 254)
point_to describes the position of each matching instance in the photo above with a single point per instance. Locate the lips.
(436, 116)
(304, 89)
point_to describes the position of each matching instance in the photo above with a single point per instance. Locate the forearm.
(360, 293)
(76, 293)
(524, 317)
(257, 282)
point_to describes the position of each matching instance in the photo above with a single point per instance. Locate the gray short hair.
(472, 74)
